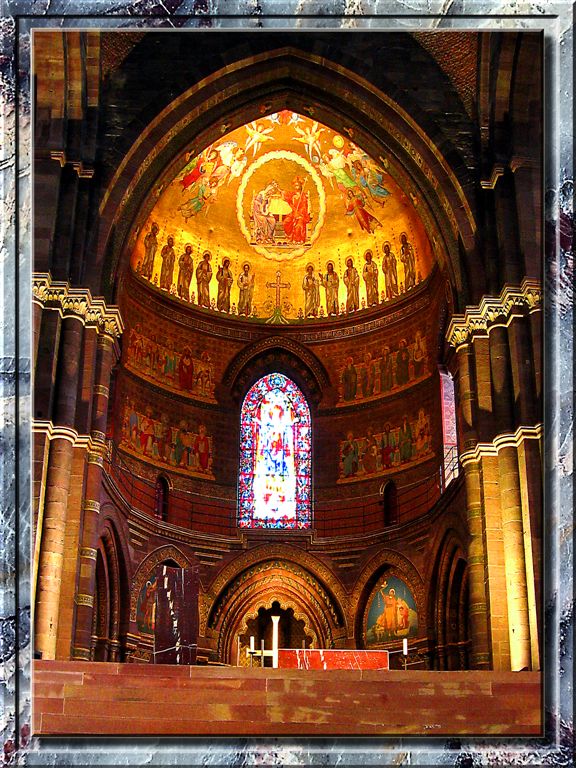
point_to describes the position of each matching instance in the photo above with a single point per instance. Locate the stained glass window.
(275, 478)
(449, 428)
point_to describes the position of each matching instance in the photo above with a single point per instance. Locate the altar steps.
(76, 698)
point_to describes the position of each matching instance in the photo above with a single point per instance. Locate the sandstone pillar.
(91, 506)
(60, 458)
(514, 561)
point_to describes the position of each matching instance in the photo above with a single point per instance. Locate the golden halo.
(329, 262)
(309, 265)
(207, 253)
(246, 264)
(338, 141)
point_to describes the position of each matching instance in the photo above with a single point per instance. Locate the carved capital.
(81, 599)
(494, 309)
(79, 302)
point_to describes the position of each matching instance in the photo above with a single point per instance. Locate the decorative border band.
(477, 320)
(78, 302)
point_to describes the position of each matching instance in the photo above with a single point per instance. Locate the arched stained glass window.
(275, 478)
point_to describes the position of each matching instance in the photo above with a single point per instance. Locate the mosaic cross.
(277, 316)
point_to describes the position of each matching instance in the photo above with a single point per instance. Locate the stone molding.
(76, 302)
(52, 432)
(490, 182)
(477, 321)
(83, 171)
(505, 440)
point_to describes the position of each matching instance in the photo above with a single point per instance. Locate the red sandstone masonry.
(232, 701)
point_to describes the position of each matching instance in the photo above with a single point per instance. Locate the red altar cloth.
(316, 658)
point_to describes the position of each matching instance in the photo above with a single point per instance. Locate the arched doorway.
(309, 612)
(293, 631)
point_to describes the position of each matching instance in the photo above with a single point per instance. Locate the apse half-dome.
(282, 220)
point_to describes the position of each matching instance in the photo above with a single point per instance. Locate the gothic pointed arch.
(281, 354)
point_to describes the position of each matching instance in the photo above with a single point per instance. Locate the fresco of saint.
(330, 282)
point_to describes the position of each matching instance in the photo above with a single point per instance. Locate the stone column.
(91, 507)
(507, 225)
(514, 560)
(521, 359)
(536, 320)
(467, 396)
(502, 399)
(530, 465)
(478, 606)
(61, 452)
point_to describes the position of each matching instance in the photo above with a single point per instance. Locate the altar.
(318, 658)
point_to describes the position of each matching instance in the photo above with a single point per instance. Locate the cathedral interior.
(287, 330)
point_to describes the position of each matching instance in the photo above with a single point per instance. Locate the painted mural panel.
(397, 368)
(182, 446)
(283, 220)
(146, 606)
(398, 445)
(160, 361)
(392, 613)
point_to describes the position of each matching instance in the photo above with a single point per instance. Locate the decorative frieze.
(78, 302)
(494, 309)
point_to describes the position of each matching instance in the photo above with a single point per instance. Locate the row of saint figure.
(311, 282)
(351, 278)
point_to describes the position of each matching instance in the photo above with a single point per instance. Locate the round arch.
(342, 99)
(329, 586)
(269, 581)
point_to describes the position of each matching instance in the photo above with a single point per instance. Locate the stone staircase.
(83, 698)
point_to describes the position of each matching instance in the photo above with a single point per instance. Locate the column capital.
(77, 302)
(493, 311)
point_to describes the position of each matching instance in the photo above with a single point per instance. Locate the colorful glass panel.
(275, 477)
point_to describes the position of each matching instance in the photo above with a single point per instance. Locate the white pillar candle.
(251, 643)
(275, 620)
(405, 647)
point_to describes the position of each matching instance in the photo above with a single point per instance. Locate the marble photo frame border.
(22, 16)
